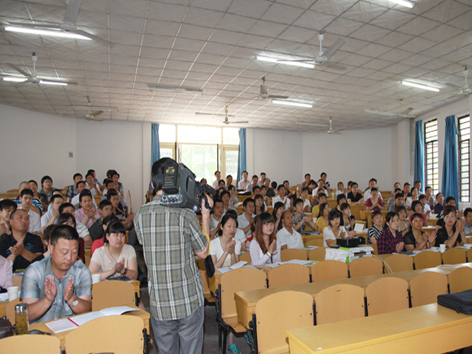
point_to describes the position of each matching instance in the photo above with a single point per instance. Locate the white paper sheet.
(61, 325)
(238, 265)
(358, 228)
(298, 261)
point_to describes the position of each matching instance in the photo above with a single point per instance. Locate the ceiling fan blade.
(240, 122)
(21, 71)
(31, 25)
(214, 114)
(296, 60)
(95, 38)
(331, 50)
(72, 11)
(104, 108)
(59, 81)
(96, 113)
(334, 66)
(312, 124)
(380, 113)
(277, 97)
(408, 110)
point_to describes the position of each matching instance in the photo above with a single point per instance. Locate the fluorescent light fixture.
(292, 103)
(313, 124)
(424, 87)
(281, 61)
(46, 82)
(100, 108)
(405, 3)
(176, 89)
(52, 33)
(14, 79)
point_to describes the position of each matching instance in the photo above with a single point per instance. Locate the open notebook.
(69, 323)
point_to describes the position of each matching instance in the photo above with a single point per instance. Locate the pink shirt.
(6, 267)
(80, 216)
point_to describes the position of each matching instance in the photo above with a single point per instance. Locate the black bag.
(209, 266)
(459, 302)
(6, 329)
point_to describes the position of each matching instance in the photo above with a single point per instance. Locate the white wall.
(34, 144)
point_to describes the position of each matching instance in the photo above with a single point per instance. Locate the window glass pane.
(166, 152)
(200, 159)
(166, 133)
(231, 136)
(232, 164)
(191, 134)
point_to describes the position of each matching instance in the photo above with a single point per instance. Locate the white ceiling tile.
(343, 27)
(442, 33)
(418, 26)
(236, 23)
(282, 13)
(364, 11)
(417, 45)
(370, 33)
(374, 50)
(249, 8)
(332, 7)
(314, 20)
(298, 34)
(446, 11)
(167, 12)
(394, 39)
(392, 19)
(198, 16)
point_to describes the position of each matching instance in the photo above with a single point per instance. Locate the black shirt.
(270, 193)
(353, 198)
(31, 243)
(442, 236)
(96, 230)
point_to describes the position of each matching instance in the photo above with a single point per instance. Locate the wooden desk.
(432, 221)
(62, 335)
(3, 306)
(423, 329)
(246, 301)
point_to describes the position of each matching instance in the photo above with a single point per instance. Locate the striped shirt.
(169, 235)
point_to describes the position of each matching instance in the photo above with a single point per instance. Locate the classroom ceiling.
(212, 45)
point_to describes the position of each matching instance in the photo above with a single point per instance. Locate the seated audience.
(341, 189)
(307, 180)
(246, 219)
(452, 231)
(404, 222)
(128, 221)
(374, 231)
(244, 182)
(71, 191)
(424, 202)
(323, 217)
(397, 201)
(49, 218)
(374, 202)
(115, 176)
(334, 230)
(109, 184)
(233, 200)
(37, 203)
(7, 207)
(82, 230)
(415, 239)
(95, 179)
(372, 184)
(6, 274)
(217, 179)
(229, 180)
(281, 197)
(412, 197)
(468, 222)
(271, 191)
(321, 185)
(59, 285)
(417, 208)
(439, 206)
(26, 199)
(391, 239)
(264, 248)
(262, 179)
(287, 236)
(115, 258)
(277, 213)
(322, 198)
(253, 184)
(306, 202)
(354, 197)
(216, 216)
(76, 199)
(324, 176)
(300, 219)
(20, 247)
(69, 219)
(96, 230)
(91, 185)
(346, 219)
(264, 195)
(240, 235)
(99, 242)
(46, 189)
(255, 191)
(431, 199)
(259, 204)
(87, 214)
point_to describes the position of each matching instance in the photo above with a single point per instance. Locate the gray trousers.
(187, 331)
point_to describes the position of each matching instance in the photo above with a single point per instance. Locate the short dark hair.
(374, 190)
(399, 208)
(216, 172)
(256, 187)
(115, 174)
(340, 197)
(109, 218)
(114, 227)
(243, 172)
(322, 194)
(107, 182)
(333, 214)
(286, 181)
(305, 189)
(375, 213)
(248, 200)
(273, 184)
(64, 231)
(415, 203)
(104, 203)
(78, 183)
(280, 186)
(467, 211)
(89, 174)
(398, 189)
(7, 204)
(77, 175)
(56, 196)
(448, 199)
(231, 187)
(111, 192)
(323, 173)
(45, 178)
(33, 181)
(344, 206)
(422, 196)
(354, 184)
(90, 171)
(254, 176)
(217, 200)
(417, 182)
(307, 175)
(224, 193)
(85, 193)
(221, 181)
(406, 184)
(297, 201)
(398, 195)
(373, 180)
(26, 191)
(63, 206)
(16, 211)
(263, 173)
(65, 217)
(228, 176)
(426, 188)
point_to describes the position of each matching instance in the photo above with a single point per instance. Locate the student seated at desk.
(376, 228)
(87, 214)
(323, 216)
(277, 213)
(59, 285)
(225, 197)
(404, 222)
(468, 221)
(396, 200)
(417, 208)
(115, 258)
(264, 248)
(452, 231)
(353, 197)
(259, 204)
(346, 219)
(391, 239)
(333, 231)
(322, 199)
(374, 202)
(288, 237)
(6, 275)
(300, 219)
(415, 239)
(69, 219)
(233, 200)
(99, 241)
(216, 217)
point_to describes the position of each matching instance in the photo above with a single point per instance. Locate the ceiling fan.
(331, 130)
(323, 56)
(402, 114)
(265, 95)
(32, 78)
(92, 115)
(68, 25)
(464, 90)
(226, 120)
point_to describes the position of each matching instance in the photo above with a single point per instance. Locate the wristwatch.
(126, 270)
(75, 302)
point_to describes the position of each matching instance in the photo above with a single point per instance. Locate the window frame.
(464, 158)
(431, 151)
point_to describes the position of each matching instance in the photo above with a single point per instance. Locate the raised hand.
(119, 266)
(432, 237)
(273, 246)
(399, 246)
(231, 247)
(69, 290)
(50, 288)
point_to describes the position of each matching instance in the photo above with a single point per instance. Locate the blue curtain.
(241, 153)
(419, 153)
(155, 151)
(450, 178)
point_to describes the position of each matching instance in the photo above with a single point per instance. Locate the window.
(432, 154)
(464, 159)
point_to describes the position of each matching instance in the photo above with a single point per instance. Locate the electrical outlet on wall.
(71, 154)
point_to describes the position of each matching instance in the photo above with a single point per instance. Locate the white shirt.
(307, 203)
(426, 208)
(286, 201)
(217, 250)
(82, 230)
(92, 190)
(259, 258)
(46, 217)
(213, 222)
(215, 184)
(75, 202)
(368, 195)
(293, 240)
(34, 222)
(240, 236)
(315, 191)
(243, 222)
(243, 184)
(329, 235)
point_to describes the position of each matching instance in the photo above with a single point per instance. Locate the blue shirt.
(32, 286)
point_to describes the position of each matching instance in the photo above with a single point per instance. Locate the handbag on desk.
(460, 302)
(209, 266)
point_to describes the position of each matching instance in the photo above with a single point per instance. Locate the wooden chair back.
(110, 334)
(317, 254)
(329, 270)
(278, 313)
(469, 252)
(31, 343)
(365, 266)
(293, 253)
(427, 259)
(374, 246)
(288, 274)
(10, 310)
(454, 256)
(315, 242)
(97, 199)
(245, 257)
(17, 279)
(241, 279)
(112, 293)
(338, 303)
(387, 295)
(460, 280)
(356, 210)
(425, 288)
(399, 263)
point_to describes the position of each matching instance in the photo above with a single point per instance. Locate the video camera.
(181, 190)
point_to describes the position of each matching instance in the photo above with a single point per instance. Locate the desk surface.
(429, 329)
(62, 335)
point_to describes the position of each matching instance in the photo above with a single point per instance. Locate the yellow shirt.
(315, 211)
(321, 223)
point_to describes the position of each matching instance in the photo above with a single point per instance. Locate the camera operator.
(170, 237)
